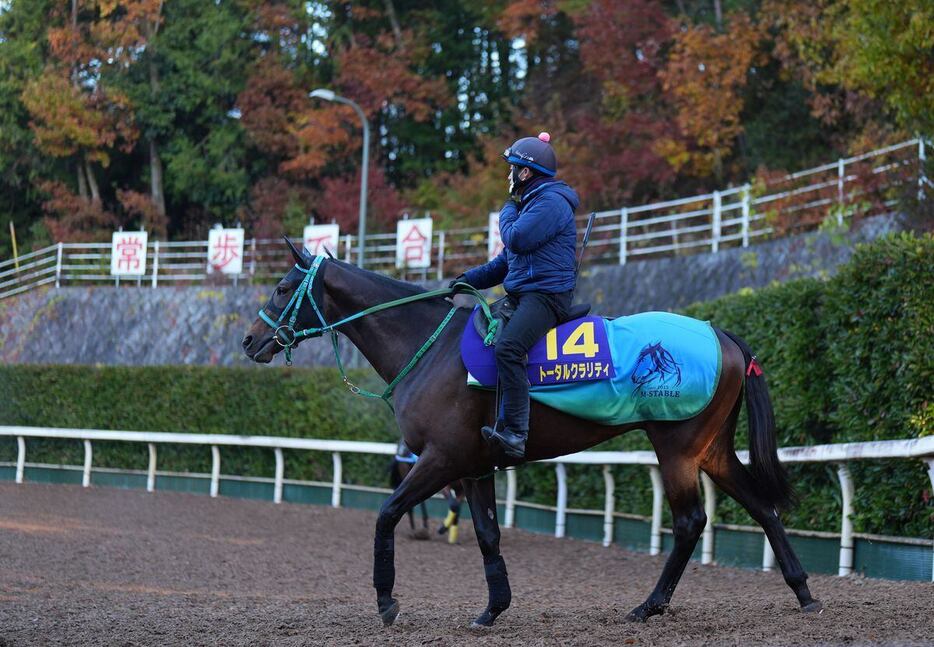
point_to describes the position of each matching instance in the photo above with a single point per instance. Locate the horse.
(399, 467)
(440, 419)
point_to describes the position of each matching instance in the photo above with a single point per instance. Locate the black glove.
(459, 279)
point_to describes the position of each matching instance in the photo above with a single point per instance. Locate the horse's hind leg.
(426, 478)
(481, 497)
(679, 476)
(734, 479)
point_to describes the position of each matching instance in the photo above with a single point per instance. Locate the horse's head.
(288, 310)
(646, 364)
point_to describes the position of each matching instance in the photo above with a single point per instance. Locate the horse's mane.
(394, 287)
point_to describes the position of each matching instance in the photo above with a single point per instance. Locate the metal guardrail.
(733, 217)
(839, 454)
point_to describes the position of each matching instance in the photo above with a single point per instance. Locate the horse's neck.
(387, 339)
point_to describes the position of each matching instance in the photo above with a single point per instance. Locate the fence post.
(58, 265)
(846, 525)
(562, 503)
(440, 254)
(930, 462)
(609, 505)
(252, 259)
(623, 234)
(746, 215)
(922, 158)
(20, 458)
(215, 470)
(336, 483)
(710, 509)
(151, 473)
(768, 555)
(658, 492)
(715, 225)
(348, 242)
(155, 264)
(510, 519)
(841, 175)
(86, 477)
(280, 473)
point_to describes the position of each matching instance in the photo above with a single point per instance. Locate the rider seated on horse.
(536, 267)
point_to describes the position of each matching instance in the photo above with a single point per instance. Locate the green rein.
(286, 335)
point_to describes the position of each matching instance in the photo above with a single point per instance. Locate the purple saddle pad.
(575, 351)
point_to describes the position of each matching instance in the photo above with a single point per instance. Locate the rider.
(536, 267)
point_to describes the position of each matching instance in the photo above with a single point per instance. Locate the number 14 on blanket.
(573, 352)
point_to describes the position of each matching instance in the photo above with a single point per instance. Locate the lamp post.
(329, 95)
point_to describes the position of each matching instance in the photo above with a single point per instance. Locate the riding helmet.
(535, 153)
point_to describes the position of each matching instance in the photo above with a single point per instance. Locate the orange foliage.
(523, 18)
(705, 75)
(78, 220)
(141, 205)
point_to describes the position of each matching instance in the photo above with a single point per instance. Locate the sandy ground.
(114, 567)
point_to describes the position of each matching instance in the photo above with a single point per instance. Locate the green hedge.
(847, 359)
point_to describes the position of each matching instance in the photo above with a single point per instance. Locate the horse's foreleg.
(688, 521)
(481, 497)
(425, 479)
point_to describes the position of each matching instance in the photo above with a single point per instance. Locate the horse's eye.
(281, 289)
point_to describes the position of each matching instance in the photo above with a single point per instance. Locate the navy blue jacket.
(539, 240)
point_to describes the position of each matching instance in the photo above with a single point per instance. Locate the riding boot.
(511, 440)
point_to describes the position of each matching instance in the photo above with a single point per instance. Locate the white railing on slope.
(867, 183)
(839, 454)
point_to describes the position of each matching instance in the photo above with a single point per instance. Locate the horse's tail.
(767, 471)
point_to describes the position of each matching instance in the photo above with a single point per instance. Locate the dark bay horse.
(440, 419)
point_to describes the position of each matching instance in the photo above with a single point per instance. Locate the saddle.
(503, 309)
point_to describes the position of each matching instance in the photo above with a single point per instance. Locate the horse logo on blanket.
(655, 367)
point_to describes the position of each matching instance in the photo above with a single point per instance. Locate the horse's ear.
(300, 259)
(328, 252)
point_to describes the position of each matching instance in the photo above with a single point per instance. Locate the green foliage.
(847, 359)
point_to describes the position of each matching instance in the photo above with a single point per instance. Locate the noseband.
(285, 333)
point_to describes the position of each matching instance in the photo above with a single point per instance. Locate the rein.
(286, 335)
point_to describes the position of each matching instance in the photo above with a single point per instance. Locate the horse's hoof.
(421, 534)
(484, 621)
(389, 613)
(815, 606)
(642, 613)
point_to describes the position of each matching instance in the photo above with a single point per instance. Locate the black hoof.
(484, 620)
(643, 612)
(815, 606)
(389, 614)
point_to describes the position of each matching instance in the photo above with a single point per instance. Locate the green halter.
(286, 335)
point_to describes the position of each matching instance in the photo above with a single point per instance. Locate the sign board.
(413, 243)
(494, 243)
(128, 253)
(319, 237)
(225, 251)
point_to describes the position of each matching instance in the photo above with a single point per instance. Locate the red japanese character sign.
(413, 243)
(128, 253)
(320, 237)
(225, 251)
(494, 243)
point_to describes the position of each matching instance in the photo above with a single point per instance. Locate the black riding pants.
(536, 313)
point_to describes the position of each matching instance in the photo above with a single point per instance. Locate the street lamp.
(329, 95)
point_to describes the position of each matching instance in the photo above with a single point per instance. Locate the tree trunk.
(92, 182)
(155, 177)
(718, 15)
(394, 21)
(82, 182)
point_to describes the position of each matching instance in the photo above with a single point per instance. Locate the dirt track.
(115, 567)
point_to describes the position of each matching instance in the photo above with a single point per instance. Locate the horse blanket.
(648, 366)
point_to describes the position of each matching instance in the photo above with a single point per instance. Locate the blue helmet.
(535, 153)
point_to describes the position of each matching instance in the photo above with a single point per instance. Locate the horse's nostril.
(247, 341)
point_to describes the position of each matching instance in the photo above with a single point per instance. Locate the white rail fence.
(865, 184)
(837, 454)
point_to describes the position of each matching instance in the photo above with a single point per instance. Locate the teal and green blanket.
(649, 366)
